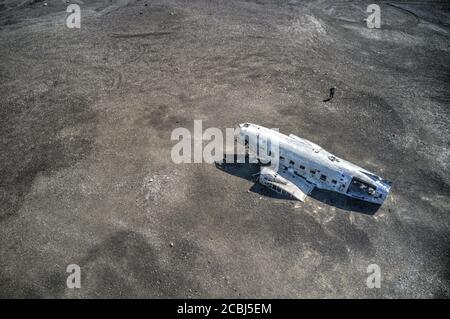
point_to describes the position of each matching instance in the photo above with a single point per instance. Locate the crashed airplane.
(303, 165)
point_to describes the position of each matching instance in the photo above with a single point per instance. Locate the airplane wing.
(294, 185)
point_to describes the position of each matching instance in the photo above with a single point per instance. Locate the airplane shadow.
(344, 202)
(247, 170)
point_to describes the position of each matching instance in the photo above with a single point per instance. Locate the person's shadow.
(249, 171)
(331, 96)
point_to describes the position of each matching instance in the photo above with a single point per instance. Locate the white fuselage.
(306, 160)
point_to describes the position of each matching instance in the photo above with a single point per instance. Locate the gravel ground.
(86, 175)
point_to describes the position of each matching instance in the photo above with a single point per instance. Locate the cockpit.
(360, 188)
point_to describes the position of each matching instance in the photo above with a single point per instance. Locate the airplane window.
(281, 158)
(291, 162)
(302, 167)
(312, 171)
(334, 182)
(323, 177)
